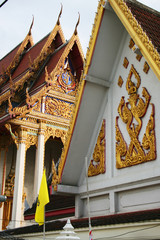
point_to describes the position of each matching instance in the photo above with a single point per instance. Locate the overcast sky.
(16, 17)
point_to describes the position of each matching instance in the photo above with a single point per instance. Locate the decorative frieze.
(59, 108)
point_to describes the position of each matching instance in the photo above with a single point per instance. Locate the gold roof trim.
(95, 29)
(16, 60)
(81, 87)
(70, 44)
(138, 35)
(51, 37)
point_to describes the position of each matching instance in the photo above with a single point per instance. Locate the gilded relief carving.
(132, 114)
(55, 132)
(62, 79)
(58, 107)
(97, 164)
(31, 140)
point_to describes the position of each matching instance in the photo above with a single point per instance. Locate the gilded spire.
(58, 21)
(29, 33)
(75, 31)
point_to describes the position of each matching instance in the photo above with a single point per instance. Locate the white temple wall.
(135, 187)
(99, 205)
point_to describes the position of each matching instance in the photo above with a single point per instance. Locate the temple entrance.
(53, 150)
(29, 175)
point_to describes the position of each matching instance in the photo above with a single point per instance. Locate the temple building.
(106, 168)
(38, 88)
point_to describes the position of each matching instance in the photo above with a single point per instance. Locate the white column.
(19, 182)
(39, 163)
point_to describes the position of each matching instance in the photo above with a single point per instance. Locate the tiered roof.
(31, 69)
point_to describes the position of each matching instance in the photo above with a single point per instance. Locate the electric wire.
(3, 3)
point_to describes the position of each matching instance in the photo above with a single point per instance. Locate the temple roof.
(148, 19)
(23, 70)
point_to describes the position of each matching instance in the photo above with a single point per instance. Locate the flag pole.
(88, 203)
(44, 225)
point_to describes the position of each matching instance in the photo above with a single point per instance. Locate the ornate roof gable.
(30, 65)
(47, 80)
(7, 71)
(134, 17)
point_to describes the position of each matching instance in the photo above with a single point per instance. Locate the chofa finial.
(58, 21)
(31, 26)
(75, 31)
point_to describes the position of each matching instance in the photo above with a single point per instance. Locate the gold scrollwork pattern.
(97, 164)
(131, 114)
(54, 132)
(31, 140)
(58, 108)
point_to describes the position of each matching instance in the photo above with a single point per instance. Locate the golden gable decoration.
(132, 114)
(97, 164)
(59, 108)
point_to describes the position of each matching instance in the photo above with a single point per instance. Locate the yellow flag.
(43, 199)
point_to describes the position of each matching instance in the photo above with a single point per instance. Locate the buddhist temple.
(105, 157)
(38, 87)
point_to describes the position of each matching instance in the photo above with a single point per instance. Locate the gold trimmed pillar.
(19, 180)
(39, 163)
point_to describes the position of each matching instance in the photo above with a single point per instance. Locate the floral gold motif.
(58, 107)
(55, 132)
(131, 114)
(31, 140)
(97, 165)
